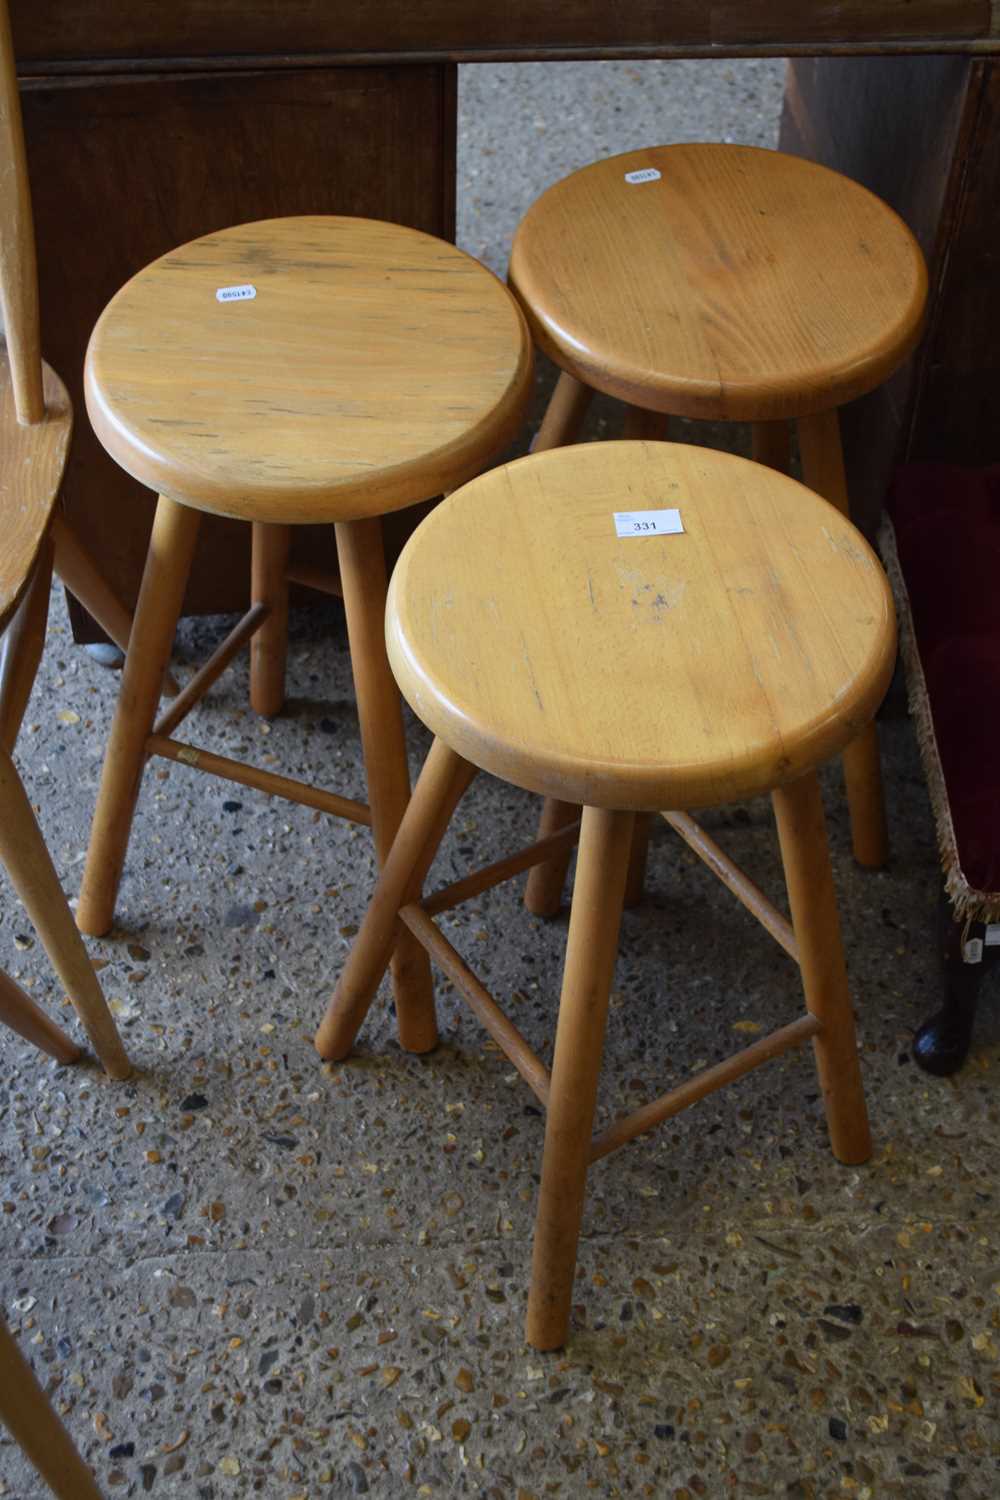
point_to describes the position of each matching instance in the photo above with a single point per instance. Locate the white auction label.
(236, 293)
(646, 174)
(647, 522)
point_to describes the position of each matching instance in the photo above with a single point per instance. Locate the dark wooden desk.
(150, 124)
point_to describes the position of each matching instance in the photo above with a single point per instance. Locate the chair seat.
(733, 284)
(374, 366)
(32, 460)
(647, 671)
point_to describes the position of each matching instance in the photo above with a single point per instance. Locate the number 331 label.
(647, 522)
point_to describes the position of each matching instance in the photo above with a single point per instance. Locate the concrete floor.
(247, 1273)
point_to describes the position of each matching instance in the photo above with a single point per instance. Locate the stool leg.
(27, 861)
(823, 471)
(635, 883)
(34, 1426)
(564, 414)
(595, 918)
(86, 583)
(798, 809)
(363, 579)
(642, 425)
(543, 891)
(21, 1014)
(772, 445)
(168, 562)
(21, 648)
(441, 786)
(269, 645)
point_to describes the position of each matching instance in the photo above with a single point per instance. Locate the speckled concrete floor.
(244, 1272)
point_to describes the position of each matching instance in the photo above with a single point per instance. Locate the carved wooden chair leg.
(798, 809)
(27, 860)
(21, 646)
(269, 644)
(823, 471)
(168, 563)
(441, 786)
(592, 947)
(34, 1426)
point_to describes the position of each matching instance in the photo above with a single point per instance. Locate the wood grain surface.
(372, 367)
(78, 30)
(735, 284)
(647, 671)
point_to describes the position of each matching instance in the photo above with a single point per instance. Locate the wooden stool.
(26, 1413)
(291, 372)
(630, 674)
(727, 283)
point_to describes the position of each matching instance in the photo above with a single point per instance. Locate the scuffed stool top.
(640, 671)
(308, 369)
(723, 282)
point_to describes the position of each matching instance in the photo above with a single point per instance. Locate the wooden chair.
(26, 1413)
(629, 673)
(292, 372)
(733, 284)
(35, 423)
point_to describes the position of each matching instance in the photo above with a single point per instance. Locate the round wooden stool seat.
(723, 282)
(373, 366)
(642, 671)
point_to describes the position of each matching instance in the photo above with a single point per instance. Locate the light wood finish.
(543, 891)
(19, 1011)
(752, 897)
(502, 869)
(823, 471)
(798, 810)
(564, 414)
(376, 366)
(383, 743)
(171, 547)
(32, 873)
(26, 1413)
(743, 284)
(592, 946)
(262, 781)
(21, 646)
(700, 668)
(269, 645)
(443, 782)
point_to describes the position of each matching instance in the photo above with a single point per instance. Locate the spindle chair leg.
(591, 950)
(363, 580)
(823, 471)
(19, 1011)
(78, 571)
(269, 644)
(543, 891)
(26, 1413)
(29, 865)
(21, 647)
(564, 414)
(441, 786)
(812, 898)
(168, 563)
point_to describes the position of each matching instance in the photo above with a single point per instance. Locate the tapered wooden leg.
(27, 861)
(798, 809)
(80, 574)
(595, 917)
(168, 562)
(21, 1014)
(823, 471)
(564, 414)
(269, 645)
(772, 445)
(442, 783)
(543, 891)
(21, 648)
(635, 883)
(34, 1426)
(363, 579)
